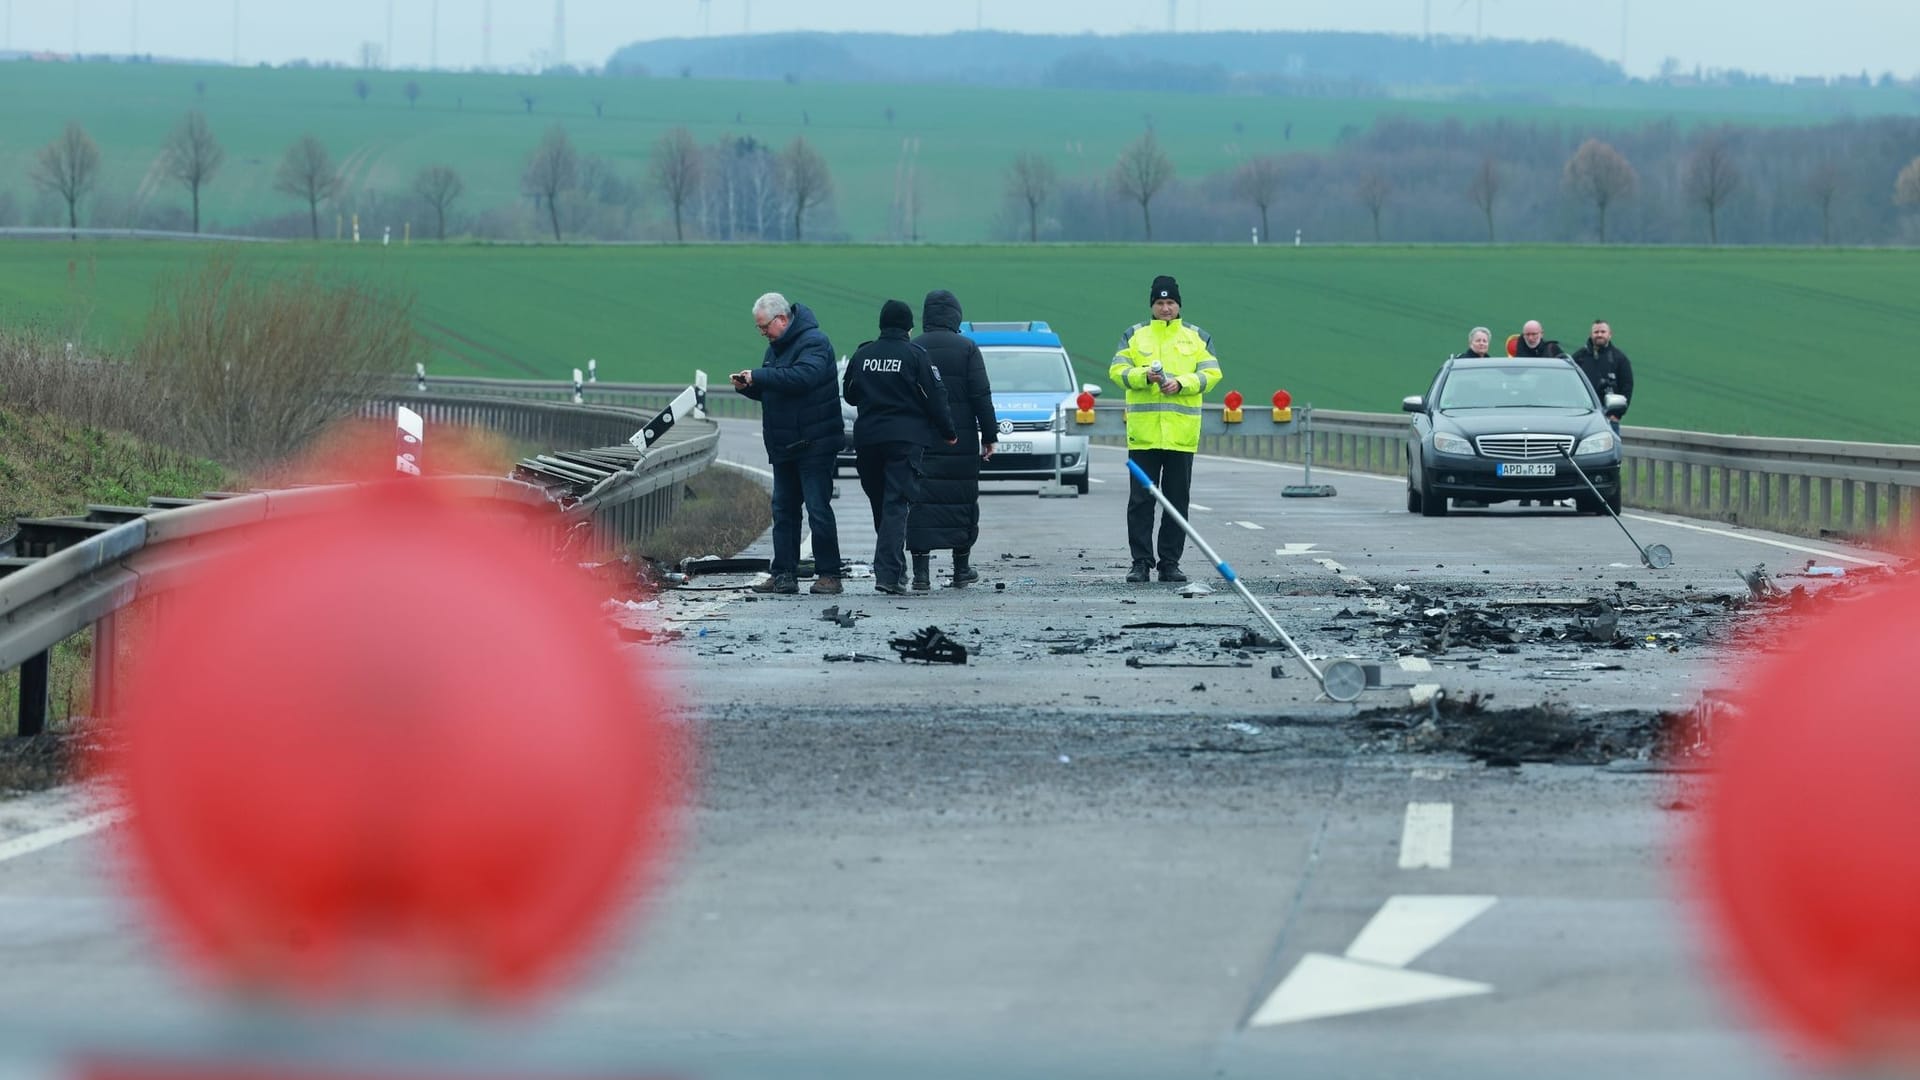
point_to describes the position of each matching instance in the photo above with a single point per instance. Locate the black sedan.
(1496, 430)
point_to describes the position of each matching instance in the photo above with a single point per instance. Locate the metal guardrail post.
(106, 640)
(35, 699)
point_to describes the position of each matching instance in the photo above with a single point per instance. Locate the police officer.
(902, 404)
(1164, 365)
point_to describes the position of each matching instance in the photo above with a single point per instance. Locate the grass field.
(1780, 342)
(965, 136)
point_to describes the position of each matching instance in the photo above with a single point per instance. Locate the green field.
(1779, 342)
(965, 137)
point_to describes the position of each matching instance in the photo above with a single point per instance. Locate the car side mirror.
(1416, 403)
(1613, 405)
(1094, 388)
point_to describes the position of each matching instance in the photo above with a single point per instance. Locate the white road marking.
(1406, 927)
(1197, 506)
(1424, 692)
(1321, 986)
(1415, 663)
(1251, 525)
(1823, 553)
(59, 834)
(1426, 839)
(1095, 480)
(1355, 580)
(1295, 549)
(1331, 565)
(1431, 774)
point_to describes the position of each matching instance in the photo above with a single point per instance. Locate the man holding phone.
(800, 422)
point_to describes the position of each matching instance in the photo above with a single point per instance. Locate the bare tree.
(1906, 186)
(1030, 179)
(1601, 175)
(68, 167)
(1484, 189)
(1823, 185)
(193, 155)
(676, 172)
(1374, 191)
(1712, 178)
(307, 172)
(807, 179)
(599, 107)
(1140, 174)
(412, 91)
(552, 170)
(362, 88)
(1258, 182)
(527, 99)
(438, 186)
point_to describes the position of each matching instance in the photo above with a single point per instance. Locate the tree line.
(1846, 182)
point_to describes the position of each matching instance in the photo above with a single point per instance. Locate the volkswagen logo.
(1006, 427)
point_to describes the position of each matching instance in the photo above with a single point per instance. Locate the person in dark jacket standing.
(800, 421)
(1533, 341)
(1479, 340)
(947, 513)
(898, 392)
(1605, 366)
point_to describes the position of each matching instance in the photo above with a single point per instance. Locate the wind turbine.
(1479, 10)
(706, 18)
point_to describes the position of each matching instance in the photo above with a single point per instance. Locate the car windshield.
(1028, 371)
(1488, 387)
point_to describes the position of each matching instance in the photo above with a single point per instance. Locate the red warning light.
(390, 753)
(1084, 402)
(1233, 400)
(1282, 399)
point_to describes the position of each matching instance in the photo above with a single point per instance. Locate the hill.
(1753, 341)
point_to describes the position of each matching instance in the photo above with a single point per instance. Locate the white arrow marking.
(1197, 506)
(1295, 549)
(1426, 840)
(1407, 926)
(1251, 525)
(1321, 986)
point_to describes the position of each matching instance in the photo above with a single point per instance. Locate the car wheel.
(1413, 498)
(1613, 500)
(1432, 504)
(1082, 484)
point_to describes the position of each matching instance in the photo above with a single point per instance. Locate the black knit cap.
(1164, 288)
(896, 315)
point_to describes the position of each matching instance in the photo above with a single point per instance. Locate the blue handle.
(1139, 473)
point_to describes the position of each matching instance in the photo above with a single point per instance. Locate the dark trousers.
(890, 475)
(804, 481)
(1172, 472)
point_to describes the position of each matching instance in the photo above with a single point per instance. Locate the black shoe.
(784, 584)
(1170, 571)
(1142, 571)
(891, 588)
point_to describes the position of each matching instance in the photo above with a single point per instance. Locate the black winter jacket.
(1607, 368)
(947, 512)
(1545, 348)
(898, 392)
(799, 403)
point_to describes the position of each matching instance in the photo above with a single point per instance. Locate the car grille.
(1524, 447)
(1030, 425)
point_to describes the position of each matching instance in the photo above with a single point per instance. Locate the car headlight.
(1598, 443)
(1448, 443)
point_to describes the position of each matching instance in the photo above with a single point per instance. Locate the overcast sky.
(1789, 37)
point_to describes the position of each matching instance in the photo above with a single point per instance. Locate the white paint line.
(1331, 565)
(1095, 480)
(1415, 663)
(1431, 774)
(1251, 525)
(1424, 692)
(1406, 927)
(1197, 506)
(59, 834)
(1426, 840)
(747, 468)
(1822, 552)
(1295, 549)
(1321, 986)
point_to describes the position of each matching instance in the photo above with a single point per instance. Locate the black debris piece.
(1136, 662)
(853, 658)
(931, 645)
(844, 618)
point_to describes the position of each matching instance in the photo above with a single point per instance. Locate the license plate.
(1527, 468)
(1013, 448)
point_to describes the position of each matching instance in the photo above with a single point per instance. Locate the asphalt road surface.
(1125, 839)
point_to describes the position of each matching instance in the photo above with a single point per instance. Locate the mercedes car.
(1503, 429)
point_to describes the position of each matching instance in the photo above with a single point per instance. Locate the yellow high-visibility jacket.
(1157, 421)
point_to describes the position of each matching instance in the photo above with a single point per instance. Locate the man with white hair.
(1533, 341)
(800, 420)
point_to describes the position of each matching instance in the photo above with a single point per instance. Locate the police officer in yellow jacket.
(1164, 365)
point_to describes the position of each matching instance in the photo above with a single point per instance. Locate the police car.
(1031, 376)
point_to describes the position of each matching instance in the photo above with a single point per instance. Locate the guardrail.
(1812, 487)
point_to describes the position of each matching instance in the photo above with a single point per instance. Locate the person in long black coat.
(947, 513)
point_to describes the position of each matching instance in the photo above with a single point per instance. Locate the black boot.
(922, 571)
(963, 571)
(1142, 571)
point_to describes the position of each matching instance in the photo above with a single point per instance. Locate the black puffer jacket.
(1607, 368)
(947, 513)
(798, 394)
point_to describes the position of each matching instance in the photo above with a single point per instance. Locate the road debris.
(1136, 662)
(931, 645)
(853, 658)
(844, 618)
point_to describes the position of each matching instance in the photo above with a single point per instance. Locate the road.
(1049, 862)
